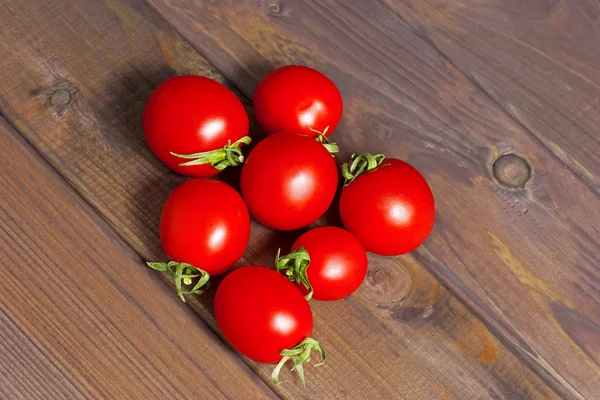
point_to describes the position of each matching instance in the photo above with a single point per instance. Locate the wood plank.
(524, 258)
(402, 336)
(538, 60)
(80, 316)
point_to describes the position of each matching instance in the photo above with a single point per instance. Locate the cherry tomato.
(333, 263)
(288, 181)
(204, 229)
(390, 208)
(297, 99)
(195, 125)
(262, 314)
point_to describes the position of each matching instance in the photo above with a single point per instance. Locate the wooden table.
(496, 102)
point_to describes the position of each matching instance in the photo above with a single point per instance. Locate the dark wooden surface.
(502, 302)
(524, 258)
(80, 316)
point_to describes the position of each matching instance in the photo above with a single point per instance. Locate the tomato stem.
(299, 355)
(184, 273)
(229, 155)
(359, 164)
(331, 147)
(295, 265)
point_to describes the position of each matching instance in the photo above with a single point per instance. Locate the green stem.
(359, 164)
(295, 265)
(183, 274)
(299, 355)
(322, 138)
(229, 155)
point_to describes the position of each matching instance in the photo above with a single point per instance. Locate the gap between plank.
(553, 383)
(527, 359)
(512, 117)
(123, 242)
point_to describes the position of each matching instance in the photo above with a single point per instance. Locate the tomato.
(297, 99)
(204, 228)
(389, 208)
(288, 181)
(332, 263)
(195, 125)
(265, 317)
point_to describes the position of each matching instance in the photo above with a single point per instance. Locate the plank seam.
(118, 236)
(552, 382)
(589, 185)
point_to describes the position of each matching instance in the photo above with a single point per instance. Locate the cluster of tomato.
(198, 127)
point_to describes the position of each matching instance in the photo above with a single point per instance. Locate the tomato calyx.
(294, 266)
(359, 164)
(230, 155)
(184, 274)
(299, 355)
(331, 147)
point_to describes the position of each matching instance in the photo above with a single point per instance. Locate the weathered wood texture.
(539, 60)
(523, 253)
(75, 82)
(79, 315)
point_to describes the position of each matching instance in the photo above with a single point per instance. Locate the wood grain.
(524, 258)
(538, 60)
(76, 87)
(80, 317)
(403, 335)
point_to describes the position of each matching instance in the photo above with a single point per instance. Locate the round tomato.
(389, 208)
(265, 317)
(288, 181)
(195, 125)
(332, 263)
(204, 229)
(297, 99)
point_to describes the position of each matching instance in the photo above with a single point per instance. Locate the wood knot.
(275, 8)
(511, 170)
(387, 283)
(60, 98)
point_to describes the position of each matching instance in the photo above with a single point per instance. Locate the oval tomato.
(288, 181)
(265, 317)
(297, 99)
(390, 208)
(332, 263)
(195, 125)
(204, 228)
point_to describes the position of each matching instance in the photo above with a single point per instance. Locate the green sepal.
(359, 164)
(183, 274)
(294, 266)
(299, 355)
(331, 147)
(229, 155)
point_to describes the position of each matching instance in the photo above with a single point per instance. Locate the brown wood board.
(80, 317)
(516, 233)
(76, 86)
(538, 60)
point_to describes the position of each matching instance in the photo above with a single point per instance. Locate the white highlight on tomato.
(299, 186)
(400, 213)
(212, 128)
(215, 241)
(308, 117)
(334, 269)
(284, 323)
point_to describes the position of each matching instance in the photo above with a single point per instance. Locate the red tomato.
(190, 116)
(390, 209)
(288, 181)
(299, 100)
(205, 223)
(337, 263)
(266, 318)
(261, 313)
